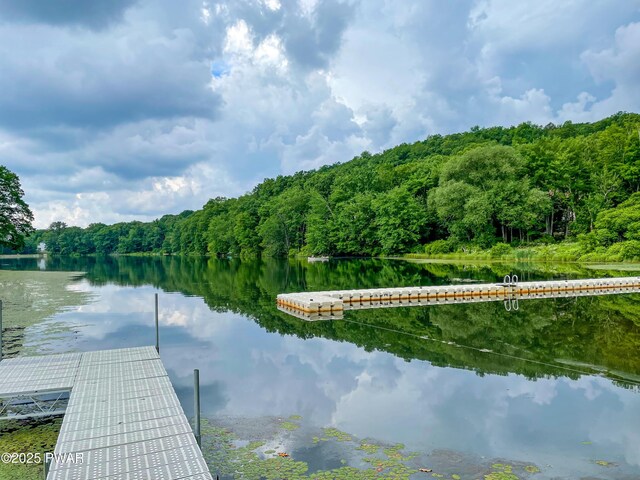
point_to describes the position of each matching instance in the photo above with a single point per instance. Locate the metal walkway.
(123, 419)
(330, 305)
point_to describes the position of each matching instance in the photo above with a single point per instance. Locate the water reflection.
(473, 378)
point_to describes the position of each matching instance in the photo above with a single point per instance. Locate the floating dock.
(332, 304)
(123, 419)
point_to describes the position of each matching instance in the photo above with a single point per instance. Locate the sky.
(118, 110)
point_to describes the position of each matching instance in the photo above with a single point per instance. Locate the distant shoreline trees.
(487, 186)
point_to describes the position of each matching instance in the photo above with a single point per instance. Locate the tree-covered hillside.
(474, 189)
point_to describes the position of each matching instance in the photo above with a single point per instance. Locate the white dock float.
(123, 418)
(331, 304)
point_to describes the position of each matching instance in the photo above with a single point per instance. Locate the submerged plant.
(225, 458)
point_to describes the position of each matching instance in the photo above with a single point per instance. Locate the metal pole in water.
(0, 330)
(196, 403)
(157, 328)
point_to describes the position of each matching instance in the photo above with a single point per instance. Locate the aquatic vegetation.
(604, 463)
(531, 469)
(27, 436)
(501, 472)
(289, 426)
(32, 296)
(369, 448)
(246, 463)
(295, 417)
(336, 434)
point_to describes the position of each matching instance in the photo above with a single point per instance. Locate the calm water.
(554, 384)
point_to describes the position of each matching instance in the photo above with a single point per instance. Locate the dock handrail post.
(157, 328)
(47, 466)
(196, 404)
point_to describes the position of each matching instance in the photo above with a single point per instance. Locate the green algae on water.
(369, 448)
(336, 434)
(501, 472)
(289, 426)
(27, 436)
(228, 460)
(30, 297)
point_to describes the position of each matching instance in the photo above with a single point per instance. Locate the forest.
(487, 189)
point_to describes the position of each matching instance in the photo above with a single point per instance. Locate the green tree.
(619, 224)
(400, 220)
(220, 239)
(354, 232)
(320, 221)
(15, 216)
(283, 224)
(485, 190)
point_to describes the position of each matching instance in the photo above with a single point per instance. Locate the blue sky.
(115, 110)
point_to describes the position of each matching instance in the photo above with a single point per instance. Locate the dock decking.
(331, 304)
(123, 418)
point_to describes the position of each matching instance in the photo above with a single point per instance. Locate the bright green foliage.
(621, 223)
(283, 223)
(440, 246)
(320, 224)
(500, 250)
(524, 184)
(484, 191)
(354, 226)
(15, 216)
(400, 220)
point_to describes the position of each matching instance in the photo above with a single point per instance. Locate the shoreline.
(444, 258)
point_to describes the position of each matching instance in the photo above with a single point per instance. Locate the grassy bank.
(626, 252)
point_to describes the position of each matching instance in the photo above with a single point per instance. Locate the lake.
(550, 390)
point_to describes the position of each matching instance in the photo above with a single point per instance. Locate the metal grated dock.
(123, 418)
